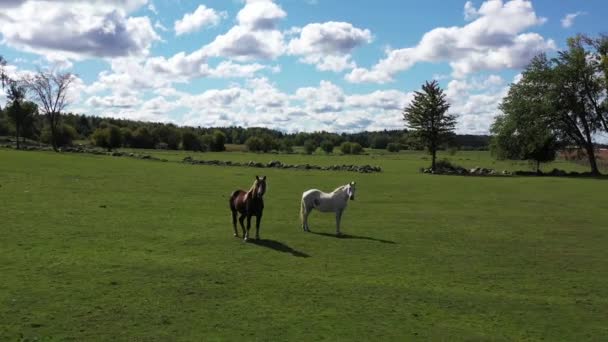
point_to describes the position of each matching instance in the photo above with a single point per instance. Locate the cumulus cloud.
(568, 20)
(201, 17)
(493, 41)
(80, 30)
(254, 37)
(328, 45)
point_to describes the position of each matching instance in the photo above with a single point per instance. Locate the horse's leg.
(241, 221)
(257, 226)
(248, 227)
(236, 233)
(305, 219)
(338, 219)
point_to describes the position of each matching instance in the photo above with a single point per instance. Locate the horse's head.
(350, 190)
(259, 187)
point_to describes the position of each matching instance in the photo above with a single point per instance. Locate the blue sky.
(295, 65)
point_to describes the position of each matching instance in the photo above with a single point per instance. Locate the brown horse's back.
(237, 201)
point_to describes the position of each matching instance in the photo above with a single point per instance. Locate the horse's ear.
(264, 178)
(256, 177)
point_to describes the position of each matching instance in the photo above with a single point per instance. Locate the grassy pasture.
(105, 248)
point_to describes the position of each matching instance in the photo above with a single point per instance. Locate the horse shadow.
(355, 237)
(279, 247)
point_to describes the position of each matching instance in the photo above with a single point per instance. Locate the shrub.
(286, 146)
(206, 142)
(64, 136)
(109, 137)
(356, 148)
(191, 142)
(255, 144)
(142, 138)
(219, 141)
(380, 142)
(393, 147)
(310, 147)
(345, 147)
(327, 146)
(127, 136)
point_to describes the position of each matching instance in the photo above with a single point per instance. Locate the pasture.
(108, 248)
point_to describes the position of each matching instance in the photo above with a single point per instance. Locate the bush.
(345, 147)
(255, 144)
(356, 148)
(380, 142)
(127, 136)
(64, 136)
(219, 141)
(142, 138)
(327, 146)
(286, 146)
(191, 142)
(310, 147)
(206, 142)
(393, 147)
(109, 137)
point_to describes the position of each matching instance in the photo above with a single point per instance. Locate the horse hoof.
(236, 235)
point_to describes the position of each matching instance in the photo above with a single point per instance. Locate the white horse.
(335, 201)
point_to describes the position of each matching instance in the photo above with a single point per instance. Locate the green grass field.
(107, 248)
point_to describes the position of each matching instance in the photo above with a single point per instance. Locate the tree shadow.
(354, 237)
(279, 247)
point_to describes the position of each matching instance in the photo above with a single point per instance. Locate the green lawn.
(108, 248)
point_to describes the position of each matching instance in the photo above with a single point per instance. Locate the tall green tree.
(20, 111)
(428, 119)
(566, 94)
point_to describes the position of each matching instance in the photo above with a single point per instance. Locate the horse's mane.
(252, 189)
(342, 187)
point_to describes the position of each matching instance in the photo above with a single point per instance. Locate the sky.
(293, 65)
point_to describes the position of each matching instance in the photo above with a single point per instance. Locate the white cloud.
(328, 45)
(254, 37)
(568, 20)
(493, 41)
(69, 30)
(201, 17)
(470, 12)
(260, 15)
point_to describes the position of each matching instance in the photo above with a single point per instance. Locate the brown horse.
(248, 204)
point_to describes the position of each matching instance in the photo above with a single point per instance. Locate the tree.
(310, 147)
(567, 93)
(356, 148)
(3, 76)
(50, 93)
(380, 142)
(142, 138)
(427, 117)
(254, 144)
(219, 141)
(327, 146)
(393, 147)
(15, 109)
(522, 136)
(346, 147)
(109, 137)
(191, 141)
(206, 142)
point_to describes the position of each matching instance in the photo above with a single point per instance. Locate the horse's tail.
(302, 208)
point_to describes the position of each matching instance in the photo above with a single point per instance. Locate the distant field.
(107, 248)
